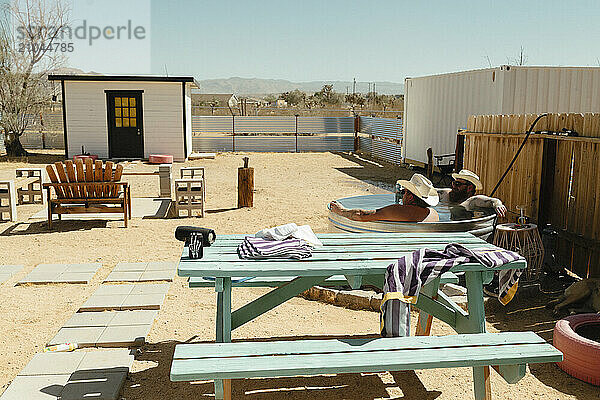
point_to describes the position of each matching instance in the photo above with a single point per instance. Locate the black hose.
(517, 154)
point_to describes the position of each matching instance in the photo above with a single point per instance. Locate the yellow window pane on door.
(125, 122)
(124, 101)
(117, 112)
(132, 102)
(132, 122)
(132, 112)
(118, 122)
(126, 112)
(117, 102)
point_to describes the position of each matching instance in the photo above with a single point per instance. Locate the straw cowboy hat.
(422, 188)
(469, 176)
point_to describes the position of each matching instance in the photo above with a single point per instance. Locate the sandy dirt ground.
(289, 188)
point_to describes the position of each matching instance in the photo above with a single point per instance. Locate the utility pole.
(354, 86)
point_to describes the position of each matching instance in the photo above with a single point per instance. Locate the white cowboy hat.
(469, 176)
(422, 188)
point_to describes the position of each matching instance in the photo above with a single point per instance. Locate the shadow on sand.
(35, 158)
(153, 383)
(381, 173)
(528, 312)
(33, 228)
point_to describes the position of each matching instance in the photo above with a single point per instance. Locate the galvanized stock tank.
(481, 226)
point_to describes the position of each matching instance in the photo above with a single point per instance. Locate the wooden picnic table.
(362, 259)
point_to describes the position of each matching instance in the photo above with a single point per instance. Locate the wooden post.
(459, 152)
(245, 185)
(547, 182)
(429, 163)
(356, 130)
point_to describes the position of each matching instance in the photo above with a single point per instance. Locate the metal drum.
(480, 226)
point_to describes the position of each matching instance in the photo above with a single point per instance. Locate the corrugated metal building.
(437, 106)
(127, 116)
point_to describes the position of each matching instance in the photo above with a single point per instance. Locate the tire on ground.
(581, 356)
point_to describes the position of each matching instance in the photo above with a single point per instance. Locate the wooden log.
(245, 185)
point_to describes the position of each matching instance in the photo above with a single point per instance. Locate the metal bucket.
(481, 227)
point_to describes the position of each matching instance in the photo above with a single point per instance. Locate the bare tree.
(28, 29)
(520, 59)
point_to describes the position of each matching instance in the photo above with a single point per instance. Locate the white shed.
(127, 116)
(437, 106)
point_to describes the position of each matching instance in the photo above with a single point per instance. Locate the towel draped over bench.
(405, 277)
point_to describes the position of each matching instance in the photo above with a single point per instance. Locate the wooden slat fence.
(559, 174)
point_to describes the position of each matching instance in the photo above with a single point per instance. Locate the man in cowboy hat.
(418, 199)
(464, 185)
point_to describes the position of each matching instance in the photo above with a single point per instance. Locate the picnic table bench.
(360, 259)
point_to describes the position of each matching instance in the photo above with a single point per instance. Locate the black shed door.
(125, 128)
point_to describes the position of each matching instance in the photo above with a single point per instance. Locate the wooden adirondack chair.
(93, 189)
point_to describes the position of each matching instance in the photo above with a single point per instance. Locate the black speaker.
(183, 233)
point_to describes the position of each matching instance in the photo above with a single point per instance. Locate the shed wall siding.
(87, 123)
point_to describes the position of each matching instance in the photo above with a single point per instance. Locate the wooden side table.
(525, 240)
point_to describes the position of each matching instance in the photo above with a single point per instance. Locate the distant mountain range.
(256, 86)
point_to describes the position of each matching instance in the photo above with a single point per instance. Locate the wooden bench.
(508, 353)
(93, 189)
(27, 183)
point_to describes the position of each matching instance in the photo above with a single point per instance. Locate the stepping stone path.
(97, 374)
(106, 329)
(61, 273)
(143, 272)
(126, 297)
(7, 271)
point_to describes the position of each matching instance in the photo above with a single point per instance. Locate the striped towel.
(253, 247)
(405, 277)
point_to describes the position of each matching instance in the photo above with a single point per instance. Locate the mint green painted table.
(362, 259)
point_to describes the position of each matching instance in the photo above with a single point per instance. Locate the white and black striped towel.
(253, 247)
(405, 277)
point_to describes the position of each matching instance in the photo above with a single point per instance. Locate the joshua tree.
(26, 57)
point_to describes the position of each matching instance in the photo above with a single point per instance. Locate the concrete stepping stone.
(107, 329)
(98, 374)
(111, 318)
(143, 272)
(136, 297)
(43, 387)
(7, 271)
(83, 336)
(123, 336)
(61, 273)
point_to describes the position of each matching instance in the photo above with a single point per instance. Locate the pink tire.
(160, 159)
(581, 356)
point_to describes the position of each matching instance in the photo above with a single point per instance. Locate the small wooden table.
(525, 240)
(363, 259)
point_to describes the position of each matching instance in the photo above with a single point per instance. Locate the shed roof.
(113, 78)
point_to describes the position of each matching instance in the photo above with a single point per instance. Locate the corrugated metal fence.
(272, 134)
(382, 138)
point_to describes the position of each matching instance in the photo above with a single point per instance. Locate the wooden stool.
(525, 240)
(28, 186)
(8, 200)
(189, 195)
(195, 173)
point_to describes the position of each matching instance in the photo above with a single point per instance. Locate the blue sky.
(372, 41)
(340, 40)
